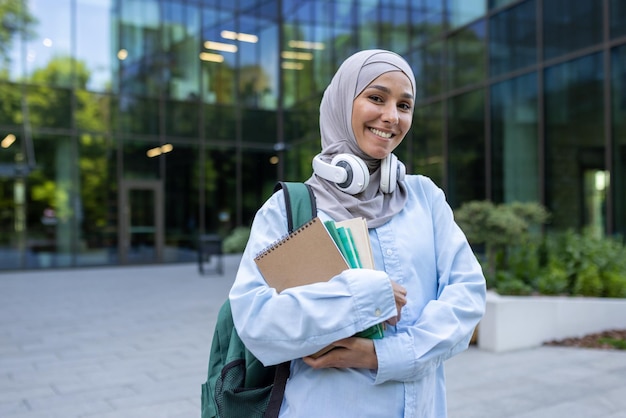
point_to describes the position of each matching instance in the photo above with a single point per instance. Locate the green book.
(345, 242)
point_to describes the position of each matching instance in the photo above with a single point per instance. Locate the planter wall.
(517, 322)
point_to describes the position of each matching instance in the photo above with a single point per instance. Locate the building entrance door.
(141, 222)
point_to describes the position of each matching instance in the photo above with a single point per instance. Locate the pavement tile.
(134, 342)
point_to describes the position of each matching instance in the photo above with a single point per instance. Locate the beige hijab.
(356, 73)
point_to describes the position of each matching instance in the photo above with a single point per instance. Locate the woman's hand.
(399, 293)
(350, 352)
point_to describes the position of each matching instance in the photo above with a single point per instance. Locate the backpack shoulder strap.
(299, 202)
(301, 208)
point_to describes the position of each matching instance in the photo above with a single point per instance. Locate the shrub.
(236, 241)
(614, 285)
(499, 227)
(508, 284)
(553, 280)
(588, 282)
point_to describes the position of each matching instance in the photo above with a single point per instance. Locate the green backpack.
(238, 385)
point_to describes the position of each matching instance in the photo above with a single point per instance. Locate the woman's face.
(382, 114)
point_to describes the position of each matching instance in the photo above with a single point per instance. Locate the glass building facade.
(129, 127)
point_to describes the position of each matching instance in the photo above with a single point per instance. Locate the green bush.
(508, 284)
(553, 280)
(588, 282)
(614, 285)
(236, 241)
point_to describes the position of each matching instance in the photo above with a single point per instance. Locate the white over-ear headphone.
(352, 176)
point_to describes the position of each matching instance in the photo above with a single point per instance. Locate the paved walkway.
(134, 341)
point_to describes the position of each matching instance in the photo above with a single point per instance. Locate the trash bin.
(210, 253)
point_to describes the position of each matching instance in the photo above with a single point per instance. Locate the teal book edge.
(345, 242)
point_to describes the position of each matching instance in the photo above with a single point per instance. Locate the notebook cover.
(307, 255)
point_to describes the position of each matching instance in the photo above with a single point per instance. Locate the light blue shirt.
(421, 248)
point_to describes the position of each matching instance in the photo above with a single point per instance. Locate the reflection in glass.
(51, 37)
(513, 39)
(93, 42)
(427, 142)
(499, 3)
(617, 15)
(466, 56)
(569, 25)
(618, 179)
(466, 148)
(181, 201)
(461, 12)
(574, 135)
(514, 142)
(96, 221)
(427, 19)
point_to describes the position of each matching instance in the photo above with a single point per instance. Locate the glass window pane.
(618, 176)
(20, 25)
(139, 48)
(97, 219)
(53, 208)
(461, 12)
(618, 18)
(466, 148)
(93, 111)
(180, 30)
(51, 39)
(574, 136)
(514, 144)
(137, 115)
(493, 4)
(182, 118)
(182, 191)
(513, 39)
(93, 42)
(141, 159)
(466, 56)
(220, 185)
(219, 122)
(49, 107)
(427, 142)
(11, 103)
(427, 19)
(569, 25)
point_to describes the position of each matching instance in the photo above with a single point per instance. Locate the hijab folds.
(356, 73)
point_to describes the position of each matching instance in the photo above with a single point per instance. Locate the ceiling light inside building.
(306, 45)
(208, 56)
(122, 54)
(155, 152)
(7, 141)
(236, 36)
(292, 55)
(220, 46)
(290, 65)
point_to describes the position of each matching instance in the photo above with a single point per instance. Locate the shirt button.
(377, 312)
(389, 252)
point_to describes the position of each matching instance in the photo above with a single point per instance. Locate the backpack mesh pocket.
(235, 400)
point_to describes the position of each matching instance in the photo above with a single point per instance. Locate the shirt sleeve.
(301, 320)
(446, 323)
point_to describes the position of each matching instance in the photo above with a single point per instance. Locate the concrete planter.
(518, 322)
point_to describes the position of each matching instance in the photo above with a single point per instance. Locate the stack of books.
(316, 252)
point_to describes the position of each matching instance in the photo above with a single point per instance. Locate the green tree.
(499, 227)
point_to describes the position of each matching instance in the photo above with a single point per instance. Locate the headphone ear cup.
(358, 174)
(388, 173)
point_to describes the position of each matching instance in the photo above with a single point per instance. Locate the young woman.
(427, 284)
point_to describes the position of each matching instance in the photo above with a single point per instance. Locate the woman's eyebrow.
(388, 91)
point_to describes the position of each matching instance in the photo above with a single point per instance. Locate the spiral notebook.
(307, 255)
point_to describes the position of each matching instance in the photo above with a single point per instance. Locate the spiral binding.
(282, 240)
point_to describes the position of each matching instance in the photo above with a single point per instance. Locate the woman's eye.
(405, 106)
(376, 98)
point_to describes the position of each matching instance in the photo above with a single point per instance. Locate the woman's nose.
(390, 115)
